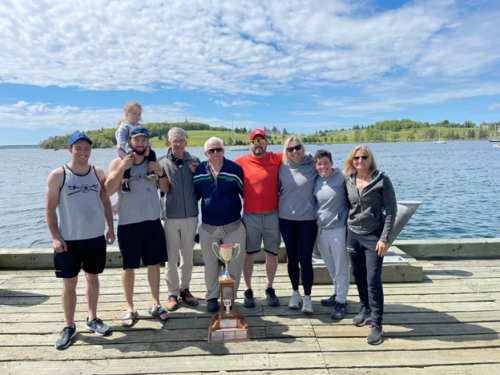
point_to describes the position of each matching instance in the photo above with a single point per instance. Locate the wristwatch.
(164, 176)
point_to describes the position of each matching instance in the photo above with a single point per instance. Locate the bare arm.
(54, 183)
(163, 183)
(115, 173)
(108, 210)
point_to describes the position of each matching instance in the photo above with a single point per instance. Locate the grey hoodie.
(365, 211)
(331, 197)
(181, 201)
(121, 136)
(296, 201)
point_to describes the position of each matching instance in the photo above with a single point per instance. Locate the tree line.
(105, 138)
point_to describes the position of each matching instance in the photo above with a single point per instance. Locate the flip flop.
(157, 314)
(133, 316)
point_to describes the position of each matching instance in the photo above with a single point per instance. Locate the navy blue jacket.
(221, 203)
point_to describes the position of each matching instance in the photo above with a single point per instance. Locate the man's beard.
(139, 152)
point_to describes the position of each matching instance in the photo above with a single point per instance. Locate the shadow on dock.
(21, 299)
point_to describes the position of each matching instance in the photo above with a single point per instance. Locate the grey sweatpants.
(333, 250)
(212, 268)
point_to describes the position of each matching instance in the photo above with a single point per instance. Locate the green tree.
(395, 137)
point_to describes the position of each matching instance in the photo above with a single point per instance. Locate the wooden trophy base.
(228, 330)
(228, 325)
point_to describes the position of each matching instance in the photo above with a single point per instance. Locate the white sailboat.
(495, 139)
(496, 146)
(439, 141)
(236, 148)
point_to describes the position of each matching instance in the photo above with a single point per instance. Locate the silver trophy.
(225, 253)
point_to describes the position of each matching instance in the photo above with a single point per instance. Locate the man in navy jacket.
(219, 183)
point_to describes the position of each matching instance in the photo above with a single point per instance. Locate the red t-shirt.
(260, 179)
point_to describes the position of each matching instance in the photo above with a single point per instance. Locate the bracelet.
(164, 176)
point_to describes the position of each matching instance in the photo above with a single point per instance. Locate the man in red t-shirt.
(260, 207)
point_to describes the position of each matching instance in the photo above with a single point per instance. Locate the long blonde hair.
(287, 142)
(349, 166)
(129, 107)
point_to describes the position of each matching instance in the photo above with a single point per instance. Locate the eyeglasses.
(258, 141)
(296, 148)
(364, 157)
(140, 131)
(177, 143)
(218, 150)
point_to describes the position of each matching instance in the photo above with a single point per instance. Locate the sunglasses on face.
(218, 149)
(364, 157)
(140, 131)
(296, 148)
(258, 141)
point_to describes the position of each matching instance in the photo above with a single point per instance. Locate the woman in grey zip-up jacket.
(372, 210)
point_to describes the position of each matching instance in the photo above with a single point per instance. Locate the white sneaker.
(294, 301)
(307, 306)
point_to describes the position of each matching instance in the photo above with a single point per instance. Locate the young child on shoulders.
(133, 112)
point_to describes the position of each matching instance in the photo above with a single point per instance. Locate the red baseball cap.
(258, 132)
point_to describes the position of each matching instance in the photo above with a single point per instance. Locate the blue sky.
(304, 65)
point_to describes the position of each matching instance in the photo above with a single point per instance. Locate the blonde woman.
(297, 217)
(369, 192)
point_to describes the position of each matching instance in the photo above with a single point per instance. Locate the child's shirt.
(121, 136)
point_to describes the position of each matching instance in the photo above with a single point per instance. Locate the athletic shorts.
(262, 227)
(144, 240)
(91, 252)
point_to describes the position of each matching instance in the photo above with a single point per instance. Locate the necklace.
(362, 180)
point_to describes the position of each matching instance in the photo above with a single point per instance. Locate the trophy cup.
(227, 325)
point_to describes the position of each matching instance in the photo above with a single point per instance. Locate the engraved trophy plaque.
(227, 325)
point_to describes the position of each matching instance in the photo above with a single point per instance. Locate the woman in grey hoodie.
(372, 210)
(297, 216)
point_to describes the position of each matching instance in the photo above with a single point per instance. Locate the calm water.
(457, 182)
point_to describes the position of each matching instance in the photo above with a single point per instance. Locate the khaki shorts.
(262, 227)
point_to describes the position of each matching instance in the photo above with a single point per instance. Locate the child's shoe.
(125, 187)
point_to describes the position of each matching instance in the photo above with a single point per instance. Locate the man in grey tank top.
(77, 189)
(140, 233)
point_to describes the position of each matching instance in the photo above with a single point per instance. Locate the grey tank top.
(81, 213)
(143, 202)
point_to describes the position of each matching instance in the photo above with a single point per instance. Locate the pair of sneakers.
(95, 325)
(272, 299)
(185, 295)
(295, 303)
(125, 188)
(364, 317)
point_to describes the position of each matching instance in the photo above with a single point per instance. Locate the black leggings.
(122, 154)
(299, 238)
(367, 270)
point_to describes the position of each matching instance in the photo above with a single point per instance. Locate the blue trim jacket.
(221, 202)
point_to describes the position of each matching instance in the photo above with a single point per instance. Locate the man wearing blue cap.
(78, 238)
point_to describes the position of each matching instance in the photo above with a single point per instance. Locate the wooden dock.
(447, 324)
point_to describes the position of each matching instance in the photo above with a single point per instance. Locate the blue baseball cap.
(77, 137)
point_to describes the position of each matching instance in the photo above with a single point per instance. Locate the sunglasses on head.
(218, 149)
(296, 148)
(140, 131)
(258, 141)
(364, 157)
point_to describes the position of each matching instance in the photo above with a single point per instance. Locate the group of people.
(292, 195)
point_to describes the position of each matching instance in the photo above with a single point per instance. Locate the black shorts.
(91, 252)
(144, 240)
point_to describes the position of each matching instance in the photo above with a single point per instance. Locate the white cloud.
(237, 103)
(494, 107)
(68, 118)
(181, 104)
(240, 47)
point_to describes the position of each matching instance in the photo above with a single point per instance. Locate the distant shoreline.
(19, 146)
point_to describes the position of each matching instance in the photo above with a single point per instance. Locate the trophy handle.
(239, 249)
(214, 246)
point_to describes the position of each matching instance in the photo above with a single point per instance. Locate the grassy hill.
(197, 138)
